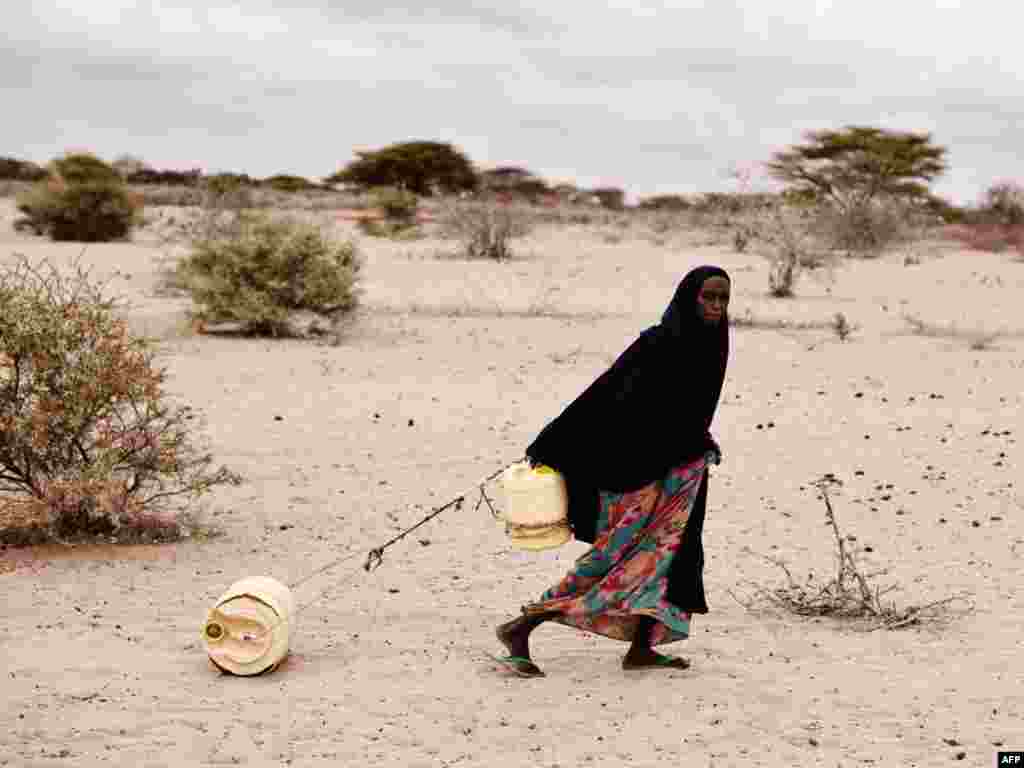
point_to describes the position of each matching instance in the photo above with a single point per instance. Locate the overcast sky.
(652, 97)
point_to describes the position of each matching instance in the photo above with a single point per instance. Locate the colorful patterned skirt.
(625, 574)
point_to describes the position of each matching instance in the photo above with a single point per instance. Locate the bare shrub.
(864, 230)
(782, 275)
(841, 326)
(741, 237)
(789, 249)
(167, 195)
(849, 595)
(1004, 204)
(748, 320)
(268, 276)
(977, 340)
(484, 229)
(89, 444)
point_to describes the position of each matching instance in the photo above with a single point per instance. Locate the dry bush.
(977, 340)
(789, 249)
(1004, 204)
(484, 229)
(216, 211)
(166, 195)
(748, 320)
(871, 229)
(842, 327)
(13, 188)
(849, 595)
(89, 444)
(271, 278)
(786, 235)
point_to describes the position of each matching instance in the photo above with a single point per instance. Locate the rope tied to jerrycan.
(374, 558)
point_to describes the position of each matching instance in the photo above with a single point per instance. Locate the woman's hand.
(712, 452)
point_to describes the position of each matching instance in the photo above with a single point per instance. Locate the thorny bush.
(485, 229)
(89, 444)
(272, 270)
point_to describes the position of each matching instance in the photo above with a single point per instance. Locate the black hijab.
(650, 411)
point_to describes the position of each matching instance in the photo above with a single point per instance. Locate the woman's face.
(713, 300)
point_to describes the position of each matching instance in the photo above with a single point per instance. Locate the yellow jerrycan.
(247, 631)
(536, 507)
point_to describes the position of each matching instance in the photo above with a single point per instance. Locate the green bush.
(88, 442)
(397, 204)
(83, 199)
(84, 168)
(271, 270)
(288, 183)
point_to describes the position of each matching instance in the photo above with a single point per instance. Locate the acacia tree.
(417, 166)
(856, 165)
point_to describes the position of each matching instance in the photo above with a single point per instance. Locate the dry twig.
(848, 595)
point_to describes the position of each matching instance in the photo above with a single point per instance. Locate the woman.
(634, 450)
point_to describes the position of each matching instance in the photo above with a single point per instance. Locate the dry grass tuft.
(977, 340)
(748, 320)
(841, 326)
(849, 595)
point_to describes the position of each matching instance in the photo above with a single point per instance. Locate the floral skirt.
(625, 574)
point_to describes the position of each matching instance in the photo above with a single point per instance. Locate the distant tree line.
(852, 170)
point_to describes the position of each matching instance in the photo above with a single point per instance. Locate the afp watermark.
(1013, 759)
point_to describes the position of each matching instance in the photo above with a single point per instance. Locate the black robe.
(649, 412)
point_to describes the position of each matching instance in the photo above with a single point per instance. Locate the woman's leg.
(641, 654)
(515, 634)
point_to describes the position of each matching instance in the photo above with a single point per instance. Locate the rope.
(375, 557)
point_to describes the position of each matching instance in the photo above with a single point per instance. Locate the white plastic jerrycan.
(536, 507)
(247, 631)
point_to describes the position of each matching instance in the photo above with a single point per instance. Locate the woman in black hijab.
(634, 449)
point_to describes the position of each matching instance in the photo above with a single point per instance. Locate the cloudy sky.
(651, 96)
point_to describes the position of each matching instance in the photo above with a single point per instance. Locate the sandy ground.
(447, 376)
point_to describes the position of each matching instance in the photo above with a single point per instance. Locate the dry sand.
(101, 651)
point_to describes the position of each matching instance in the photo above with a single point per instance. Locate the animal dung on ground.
(247, 631)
